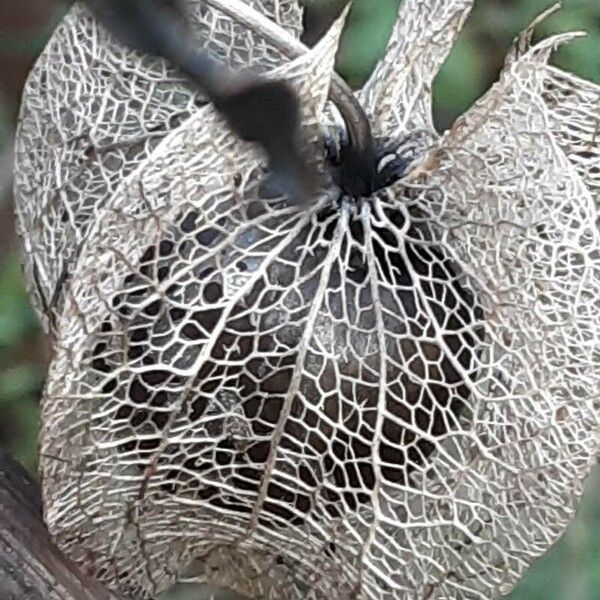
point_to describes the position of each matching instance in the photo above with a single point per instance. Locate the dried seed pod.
(385, 397)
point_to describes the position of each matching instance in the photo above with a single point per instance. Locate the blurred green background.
(571, 570)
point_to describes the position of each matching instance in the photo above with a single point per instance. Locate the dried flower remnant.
(385, 397)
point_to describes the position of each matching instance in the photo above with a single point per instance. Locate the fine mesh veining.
(387, 398)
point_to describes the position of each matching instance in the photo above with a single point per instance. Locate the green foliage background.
(571, 570)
